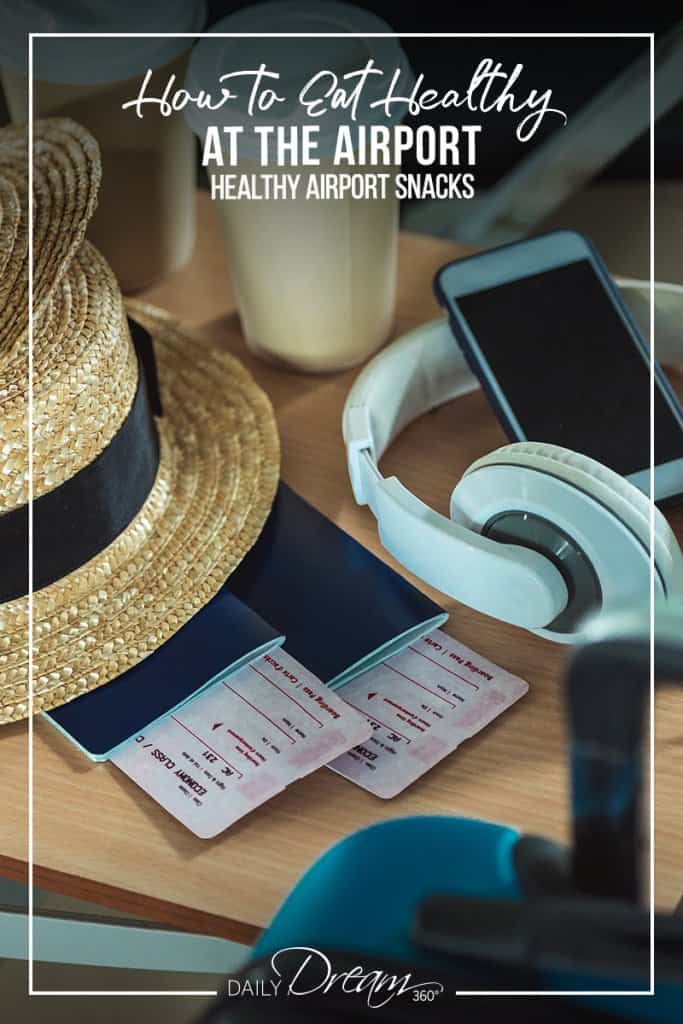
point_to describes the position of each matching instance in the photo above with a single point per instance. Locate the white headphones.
(538, 536)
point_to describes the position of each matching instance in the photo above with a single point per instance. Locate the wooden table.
(99, 837)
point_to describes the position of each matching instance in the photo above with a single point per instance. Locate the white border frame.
(330, 35)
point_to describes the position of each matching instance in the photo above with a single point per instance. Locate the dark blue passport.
(218, 640)
(341, 608)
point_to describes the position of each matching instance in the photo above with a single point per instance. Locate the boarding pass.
(422, 704)
(240, 743)
(251, 735)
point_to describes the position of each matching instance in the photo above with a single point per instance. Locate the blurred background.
(575, 78)
(607, 185)
(613, 206)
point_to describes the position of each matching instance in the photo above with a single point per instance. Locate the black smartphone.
(562, 360)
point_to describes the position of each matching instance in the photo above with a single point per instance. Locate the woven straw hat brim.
(85, 376)
(215, 485)
(10, 219)
(66, 178)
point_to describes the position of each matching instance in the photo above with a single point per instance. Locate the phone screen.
(570, 369)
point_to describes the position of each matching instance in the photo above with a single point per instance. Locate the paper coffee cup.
(314, 278)
(145, 218)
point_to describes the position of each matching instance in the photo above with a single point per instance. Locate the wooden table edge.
(150, 908)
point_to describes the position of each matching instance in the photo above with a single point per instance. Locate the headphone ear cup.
(603, 484)
(605, 516)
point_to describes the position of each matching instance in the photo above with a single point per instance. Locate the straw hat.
(211, 459)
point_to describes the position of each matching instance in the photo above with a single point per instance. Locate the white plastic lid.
(86, 61)
(296, 60)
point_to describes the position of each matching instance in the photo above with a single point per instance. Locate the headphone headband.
(417, 373)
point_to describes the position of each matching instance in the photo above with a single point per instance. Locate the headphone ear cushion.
(604, 485)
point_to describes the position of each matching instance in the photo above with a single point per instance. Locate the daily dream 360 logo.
(304, 971)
